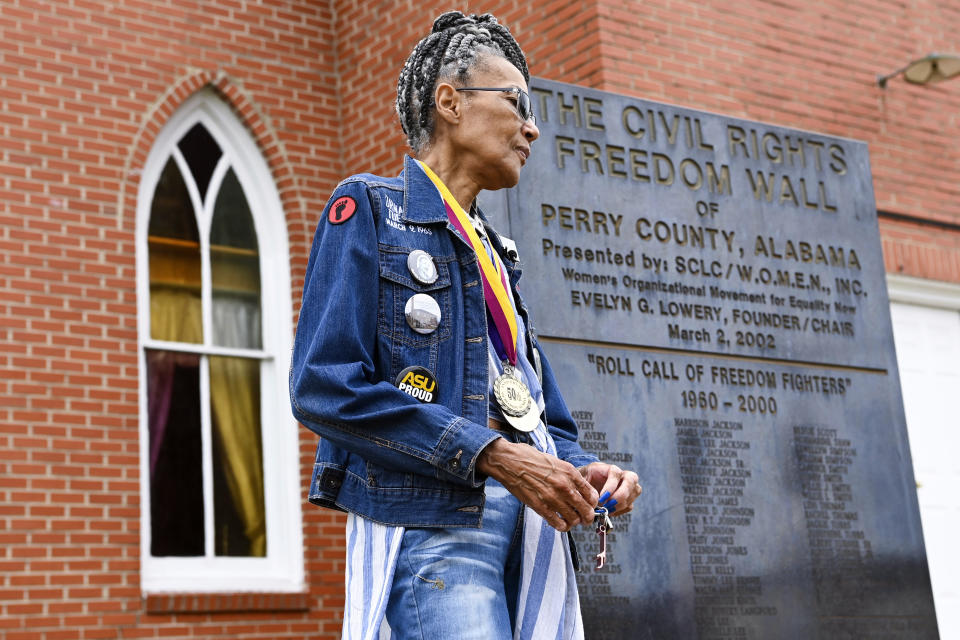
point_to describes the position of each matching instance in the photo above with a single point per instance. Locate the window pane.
(176, 468)
(201, 152)
(171, 213)
(239, 516)
(235, 269)
(174, 257)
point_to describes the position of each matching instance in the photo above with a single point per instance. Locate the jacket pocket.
(397, 286)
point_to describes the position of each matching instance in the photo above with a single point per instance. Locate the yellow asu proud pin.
(418, 382)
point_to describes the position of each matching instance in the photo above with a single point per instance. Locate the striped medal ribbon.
(510, 392)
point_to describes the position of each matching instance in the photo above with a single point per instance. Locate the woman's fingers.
(618, 488)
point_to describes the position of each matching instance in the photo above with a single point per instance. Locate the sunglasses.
(524, 108)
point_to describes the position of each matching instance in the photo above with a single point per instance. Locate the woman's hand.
(553, 488)
(617, 488)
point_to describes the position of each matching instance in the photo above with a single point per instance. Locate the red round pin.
(341, 210)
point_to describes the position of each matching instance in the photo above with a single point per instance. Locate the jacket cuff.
(456, 454)
(582, 460)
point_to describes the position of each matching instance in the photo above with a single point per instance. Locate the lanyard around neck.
(494, 279)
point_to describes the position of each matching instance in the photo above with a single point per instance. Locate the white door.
(926, 328)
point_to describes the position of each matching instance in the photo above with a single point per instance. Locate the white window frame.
(926, 293)
(281, 570)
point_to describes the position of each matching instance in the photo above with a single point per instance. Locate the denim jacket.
(383, 454)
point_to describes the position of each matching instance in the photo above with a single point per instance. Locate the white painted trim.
(212, 350)
(927, 293)
(282, 568)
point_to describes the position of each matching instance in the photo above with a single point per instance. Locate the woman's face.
(492, 141)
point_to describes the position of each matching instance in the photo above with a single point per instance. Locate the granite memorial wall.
(711, 291)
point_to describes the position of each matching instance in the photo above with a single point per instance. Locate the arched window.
(219, 455)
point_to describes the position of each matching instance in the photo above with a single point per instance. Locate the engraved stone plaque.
(712, 292)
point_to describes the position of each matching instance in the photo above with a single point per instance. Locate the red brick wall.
(84, 88)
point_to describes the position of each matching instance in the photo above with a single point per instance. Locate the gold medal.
(515, 401)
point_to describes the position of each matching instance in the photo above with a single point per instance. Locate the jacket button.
(455, 460)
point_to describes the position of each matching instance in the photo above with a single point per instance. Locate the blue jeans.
(460, 584)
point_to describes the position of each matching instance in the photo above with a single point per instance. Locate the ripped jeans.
(460, 584)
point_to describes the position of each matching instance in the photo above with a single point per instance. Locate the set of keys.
(602, 521)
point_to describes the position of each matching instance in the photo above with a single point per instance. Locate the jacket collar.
(421, 196)
(423, 204)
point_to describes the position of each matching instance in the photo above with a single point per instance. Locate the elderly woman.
(443, 433)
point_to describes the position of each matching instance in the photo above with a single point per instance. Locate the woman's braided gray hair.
(455, 44)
